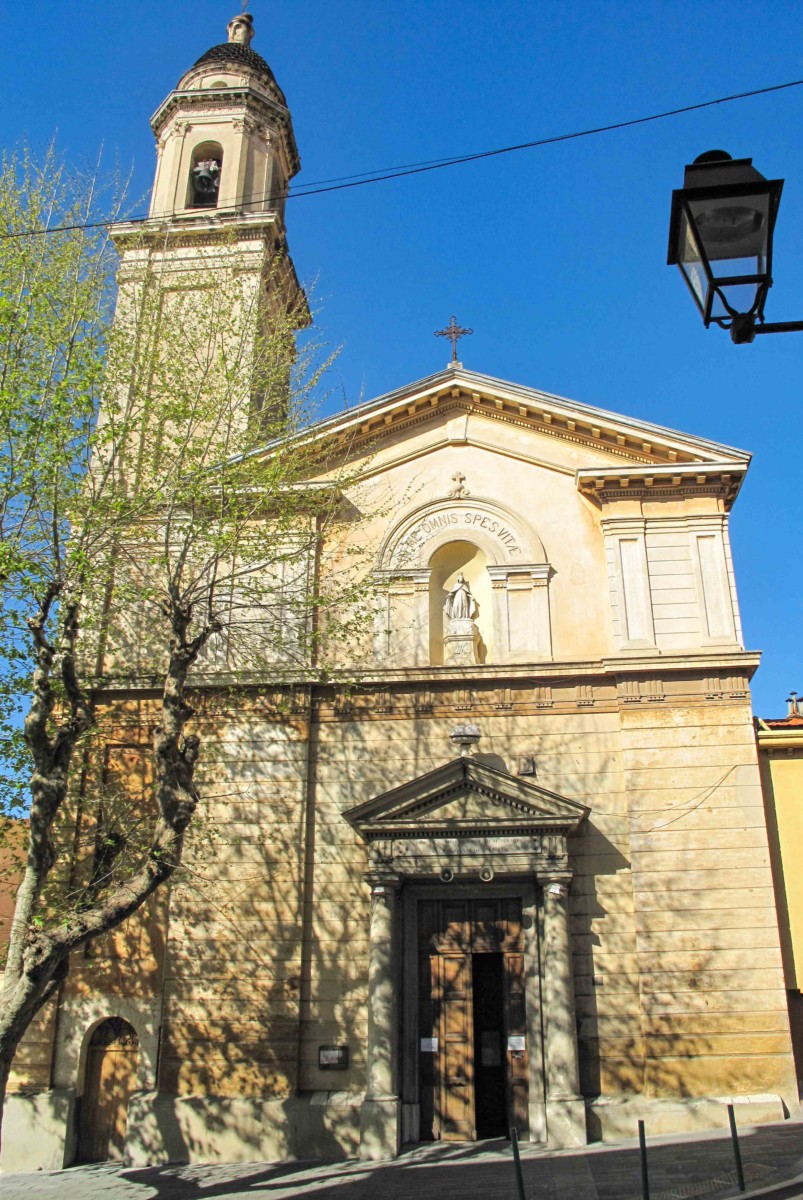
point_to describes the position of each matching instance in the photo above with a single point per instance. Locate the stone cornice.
(230, 230)
(483, 675)
(199, 228)
(637, 443)
(571, 685)
(562, 428)
(215, 100)
(607, 484)
(234, 100)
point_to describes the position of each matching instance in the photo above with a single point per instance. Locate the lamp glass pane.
(740, 296)
(735, 228)
(691, 263)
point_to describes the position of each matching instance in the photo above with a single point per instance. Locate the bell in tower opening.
(205, 176)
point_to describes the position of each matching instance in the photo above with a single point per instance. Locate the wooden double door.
(472, 1052)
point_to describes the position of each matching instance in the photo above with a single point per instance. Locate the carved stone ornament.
(461, 643)
(460, 605)
(462, 638)
(241, 29)
(458, 492)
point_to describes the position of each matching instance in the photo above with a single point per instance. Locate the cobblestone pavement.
(700, 1165)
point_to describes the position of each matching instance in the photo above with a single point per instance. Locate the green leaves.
(167, 517)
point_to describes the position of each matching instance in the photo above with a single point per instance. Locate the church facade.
(517, 875)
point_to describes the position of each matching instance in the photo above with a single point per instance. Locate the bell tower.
(224, 137)
(225, 156)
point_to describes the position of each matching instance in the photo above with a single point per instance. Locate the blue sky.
(554, 256)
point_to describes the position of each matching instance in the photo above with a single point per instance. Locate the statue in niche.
(460, 604)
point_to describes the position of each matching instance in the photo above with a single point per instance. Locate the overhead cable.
(381, 175)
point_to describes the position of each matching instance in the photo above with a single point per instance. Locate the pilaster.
(565, 1109)
(380, 1115)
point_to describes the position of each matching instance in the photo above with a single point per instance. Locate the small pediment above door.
(465, 796)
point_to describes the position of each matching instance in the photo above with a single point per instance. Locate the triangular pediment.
(621, 439)
(464, 796)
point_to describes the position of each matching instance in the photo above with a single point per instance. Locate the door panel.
(456, 1057)
(456, 1054)
(485, 926)
(111, 1072)
(517, 1054)
(455, 926)
(428, 1045)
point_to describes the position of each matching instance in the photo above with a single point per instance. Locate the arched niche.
(418, 560)
(206, 173)
(445, 565)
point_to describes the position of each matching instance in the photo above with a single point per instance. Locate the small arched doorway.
(111, 1077)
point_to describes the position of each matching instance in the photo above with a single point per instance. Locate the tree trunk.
(19, 1004)
(40, 959)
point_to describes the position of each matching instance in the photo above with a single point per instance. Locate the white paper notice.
(429, 1045)
(515, 1043)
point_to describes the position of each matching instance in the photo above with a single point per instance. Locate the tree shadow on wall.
(264, 951)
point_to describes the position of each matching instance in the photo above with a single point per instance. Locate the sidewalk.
(700, 1165)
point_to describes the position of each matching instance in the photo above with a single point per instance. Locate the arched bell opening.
(446, 565)
(110, 1076)
(206, 172)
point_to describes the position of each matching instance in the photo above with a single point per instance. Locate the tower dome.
(224, 136)
(237, 53)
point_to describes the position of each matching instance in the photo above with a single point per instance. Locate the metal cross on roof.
(454, 332)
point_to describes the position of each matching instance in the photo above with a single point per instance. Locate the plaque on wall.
(429, 1045)
(515, 1043)
(333, 1058)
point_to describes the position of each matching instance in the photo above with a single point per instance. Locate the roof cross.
(454, 332)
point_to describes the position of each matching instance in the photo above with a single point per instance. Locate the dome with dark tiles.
(241, 56)
(238, 52)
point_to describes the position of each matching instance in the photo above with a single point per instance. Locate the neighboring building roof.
(792, 721)
(242, 56)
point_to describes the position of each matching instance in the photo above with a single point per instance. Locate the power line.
(329, 185)
(381, 175)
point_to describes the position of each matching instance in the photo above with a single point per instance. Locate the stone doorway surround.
(442, 829)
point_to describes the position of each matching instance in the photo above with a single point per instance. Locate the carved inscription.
(459, 521)
(467, 847)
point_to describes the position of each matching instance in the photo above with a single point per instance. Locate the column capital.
(555, 883)
(382, 883)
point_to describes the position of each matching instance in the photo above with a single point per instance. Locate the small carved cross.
(454, 332)
(458, 491)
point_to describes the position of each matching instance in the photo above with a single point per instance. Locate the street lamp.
(720, 235)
